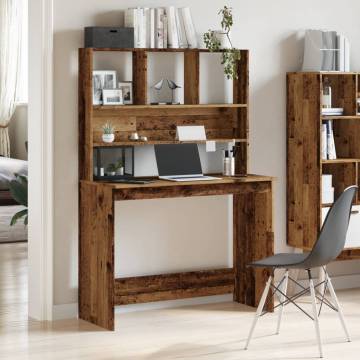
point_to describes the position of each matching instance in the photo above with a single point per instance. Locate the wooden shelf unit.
(253, 238)
(304, 163)
(223, 122)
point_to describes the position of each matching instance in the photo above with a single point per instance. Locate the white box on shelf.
(328, 196)
(326, 182)
(353, 234)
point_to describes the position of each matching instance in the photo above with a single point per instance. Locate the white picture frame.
(127, 89)
(112, 97)
(102, 79)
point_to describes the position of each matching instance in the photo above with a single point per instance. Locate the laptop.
(180, 162)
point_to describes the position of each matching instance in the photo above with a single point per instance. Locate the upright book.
(189, 28)
(173, 39)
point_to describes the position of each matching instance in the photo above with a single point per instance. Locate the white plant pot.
(111, 173)
(224, 41)
(120, 171)
(108, 138)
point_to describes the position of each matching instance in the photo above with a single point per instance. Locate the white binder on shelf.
(190, 133)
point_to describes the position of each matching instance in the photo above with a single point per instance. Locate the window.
(24, 73)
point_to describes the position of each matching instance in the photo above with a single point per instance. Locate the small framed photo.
(102, 79)
(112, 97)
(127, 90)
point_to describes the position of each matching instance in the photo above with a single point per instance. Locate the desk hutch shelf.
(304, 163)
(99, 290)
(223, 122)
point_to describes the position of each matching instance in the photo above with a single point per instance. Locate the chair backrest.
(332, 236)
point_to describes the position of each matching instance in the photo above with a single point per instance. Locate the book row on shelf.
(162, 28)
(328, 150)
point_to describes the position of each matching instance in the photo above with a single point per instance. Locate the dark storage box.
(109, 37)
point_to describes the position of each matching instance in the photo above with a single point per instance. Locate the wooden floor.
(199, 332)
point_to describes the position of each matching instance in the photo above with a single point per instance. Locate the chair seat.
(286, 261)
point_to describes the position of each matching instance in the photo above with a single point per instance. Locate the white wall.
(269, 30)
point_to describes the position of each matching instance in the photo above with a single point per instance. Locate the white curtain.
(10, 60)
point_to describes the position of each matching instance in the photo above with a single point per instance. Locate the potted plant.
(115, 169)
(19, 191)
(119, 168)
(216, 40)
(108, 135)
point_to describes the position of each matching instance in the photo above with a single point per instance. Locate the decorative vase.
(120, 171)
(108, 138)
(223, 39)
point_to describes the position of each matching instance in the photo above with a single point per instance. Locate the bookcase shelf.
(340, 161)
(340, 117)
(222, 122)
(304, 164)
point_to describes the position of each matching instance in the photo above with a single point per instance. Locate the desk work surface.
(164, 183)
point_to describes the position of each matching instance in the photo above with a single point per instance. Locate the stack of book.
(161, 28)
(328, 151)
(332, 111)
(326, 51)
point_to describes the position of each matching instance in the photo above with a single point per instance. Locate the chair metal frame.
(284, 300)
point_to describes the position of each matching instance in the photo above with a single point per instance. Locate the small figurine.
(171, 85)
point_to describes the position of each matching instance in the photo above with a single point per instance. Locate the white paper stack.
(327, 190)
(332, 111)
(326, 51)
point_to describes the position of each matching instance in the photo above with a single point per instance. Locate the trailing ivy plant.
(19, 191)
(229, 56)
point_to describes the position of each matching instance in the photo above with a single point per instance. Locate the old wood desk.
(99, 291)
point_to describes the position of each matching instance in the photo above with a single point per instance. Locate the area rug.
(9, 233)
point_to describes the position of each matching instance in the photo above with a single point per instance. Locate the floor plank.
(216, 331)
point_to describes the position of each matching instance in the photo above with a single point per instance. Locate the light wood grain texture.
(344, 175)
(85, 114)
(241, 96)
(303, 159)
(253, 240)
(140, 77)
(159, 123)
(96, 255)
(173, 286)
(191, 77)
(343, 92)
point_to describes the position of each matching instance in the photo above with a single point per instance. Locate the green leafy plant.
(108, 128)
(229, 56)
(19, 191)
(113, 167)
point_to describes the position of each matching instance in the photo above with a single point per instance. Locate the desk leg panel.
(253, 240)
(96, 255)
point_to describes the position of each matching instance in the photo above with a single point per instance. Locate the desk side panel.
(96, 255)
(253, 240)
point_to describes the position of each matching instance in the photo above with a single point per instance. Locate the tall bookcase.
(304, 163)
(223, 122)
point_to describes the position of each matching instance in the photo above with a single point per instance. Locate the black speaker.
(109, 37)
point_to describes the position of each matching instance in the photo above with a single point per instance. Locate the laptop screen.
(178, 159)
